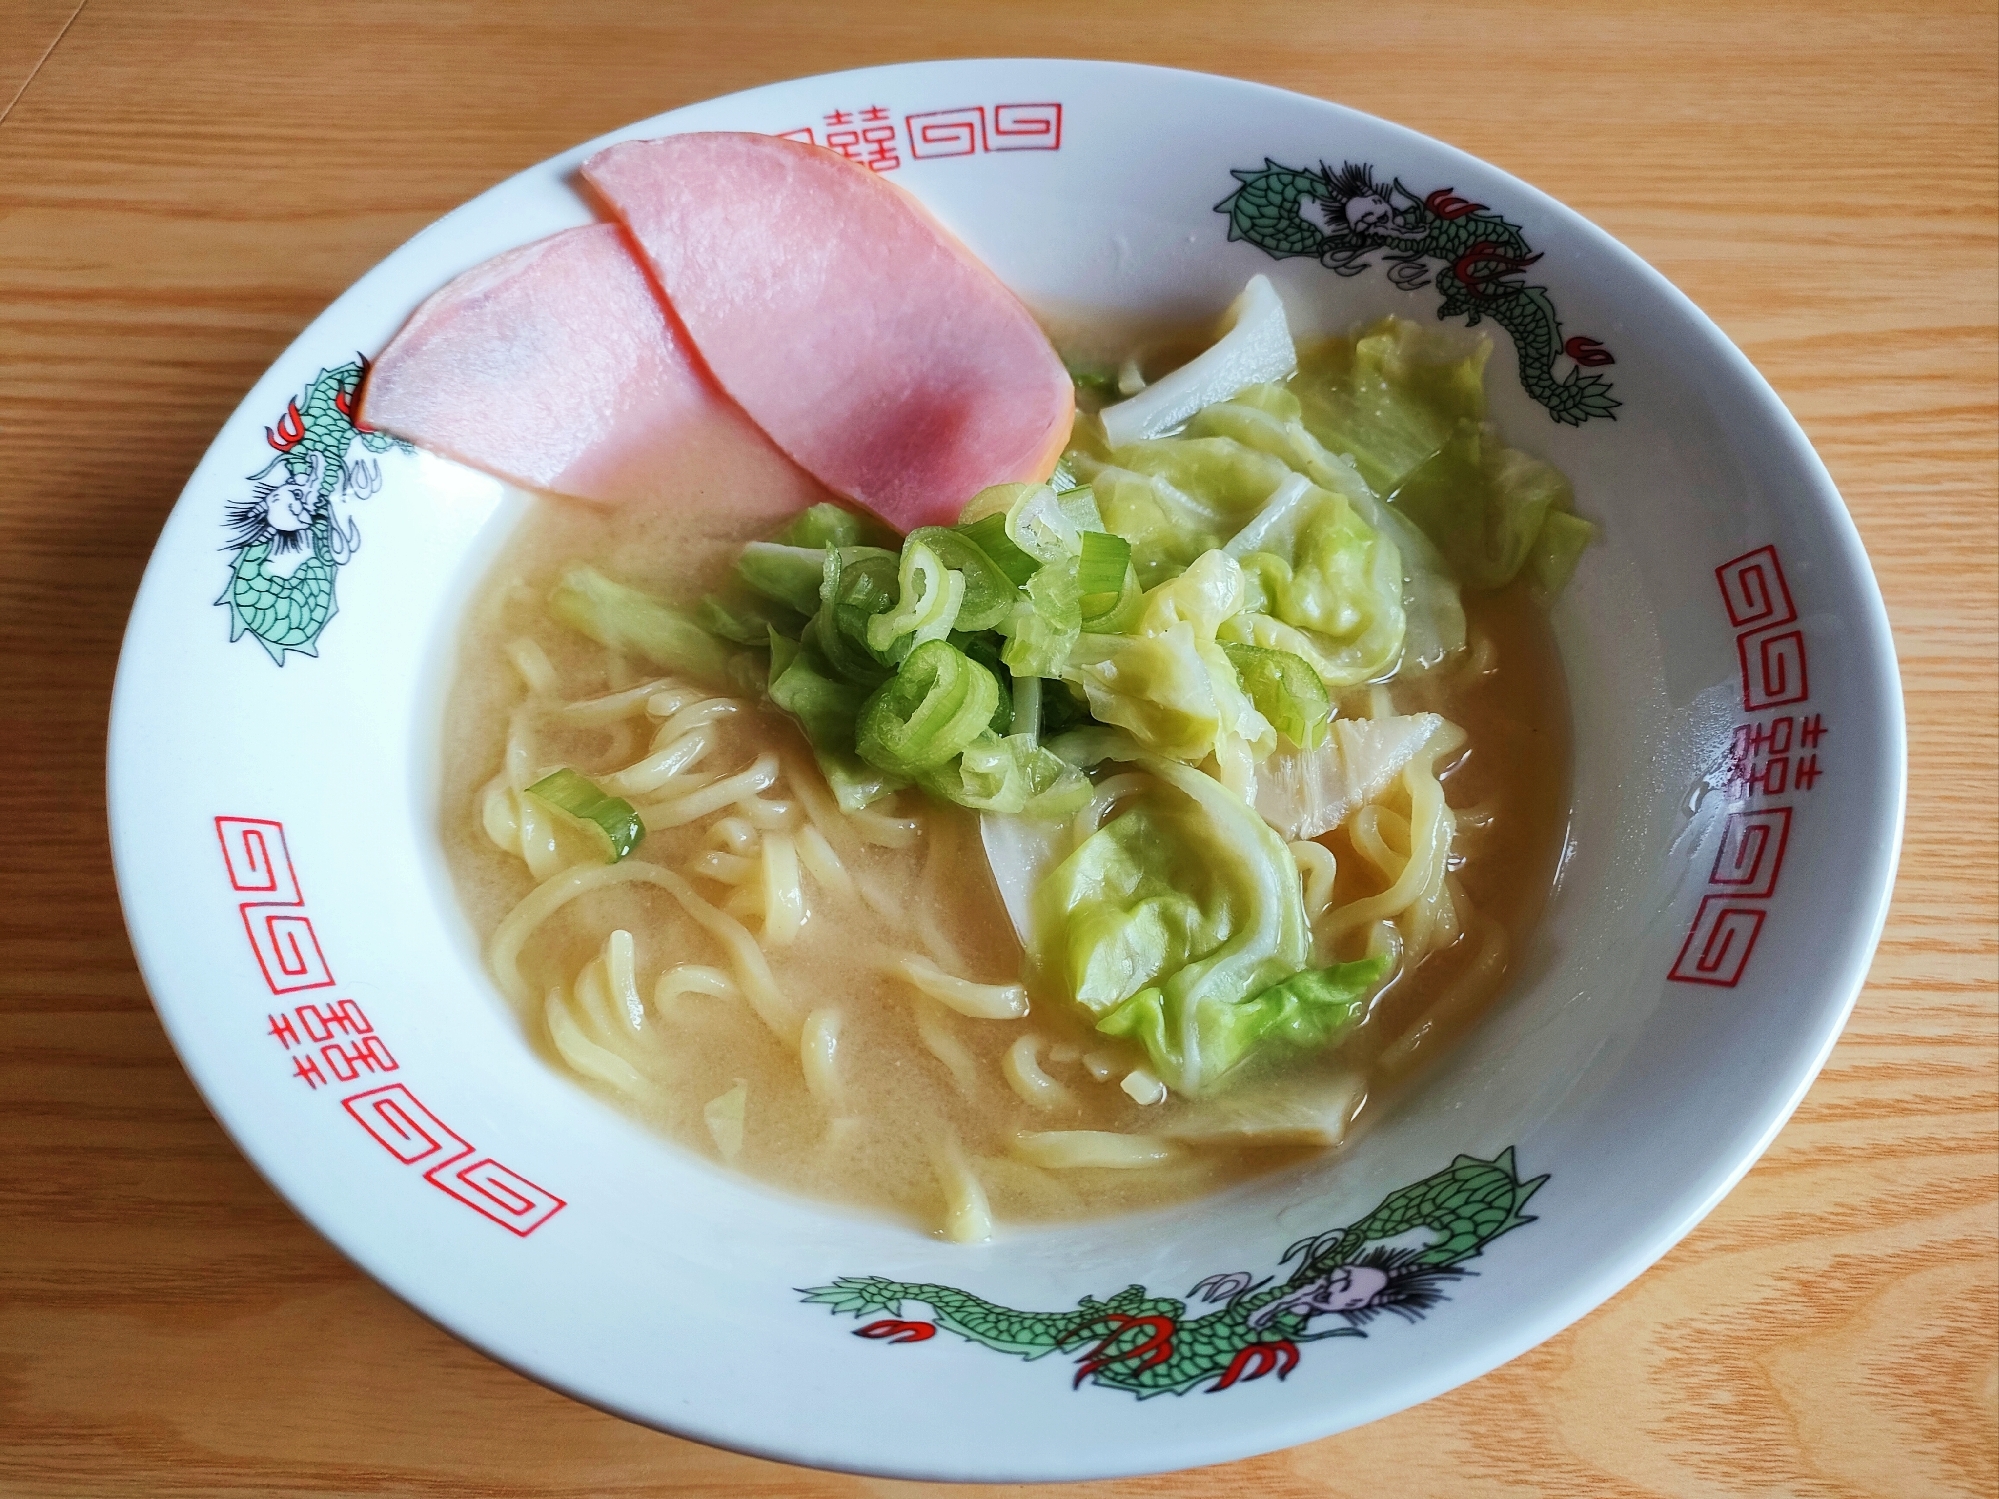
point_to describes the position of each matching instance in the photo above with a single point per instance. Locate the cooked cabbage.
(1180, 925)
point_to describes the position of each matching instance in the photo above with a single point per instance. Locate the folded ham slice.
(860, 335)
(554, 366)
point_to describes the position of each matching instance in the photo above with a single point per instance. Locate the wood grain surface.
(183, 186)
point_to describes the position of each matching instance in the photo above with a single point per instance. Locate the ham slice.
(554, 366)
(860, 335)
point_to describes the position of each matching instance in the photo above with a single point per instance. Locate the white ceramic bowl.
(1736, 812)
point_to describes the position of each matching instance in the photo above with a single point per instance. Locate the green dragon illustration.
(1344, 218)
(1148, 1345)
(288, 540)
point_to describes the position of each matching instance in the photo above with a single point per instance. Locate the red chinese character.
(881, 155)
(840, 117)
(497, 1192)
(873, 113)
(1772, 776)
(1738, 764)
(1812, 731)
(404, 1126)
(350, 1061)
(846, 142)
(316, 1022)
(304, 1066)
(1808, 771)
(339, 1019)
(1758, 762)
(354, 1019)
(282, 1031)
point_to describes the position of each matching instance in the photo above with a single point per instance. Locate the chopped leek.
(626, 619)
(1286, 689)
(746, 621)
(989, 587)
(827, 709)
(930, 596)
(611, 818)
(936, 704)
(988, 534)
(787, 574)
(823, 525)
(1104, 559)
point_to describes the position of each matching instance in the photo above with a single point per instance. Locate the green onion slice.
(578, 797)
(822, 525)
(1285, 689)
(989, 536)
(938, 702)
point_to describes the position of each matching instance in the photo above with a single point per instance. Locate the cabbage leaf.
(1486, 505)
(1171, 683)
(1178, 924)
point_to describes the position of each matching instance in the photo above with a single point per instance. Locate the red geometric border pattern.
(1752, 851)
(1717, 948)
(1770, 653)
(257, 859)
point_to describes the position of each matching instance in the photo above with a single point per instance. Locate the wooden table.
(183, 186)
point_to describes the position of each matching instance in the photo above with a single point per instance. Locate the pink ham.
(554, 366)
(858, 333)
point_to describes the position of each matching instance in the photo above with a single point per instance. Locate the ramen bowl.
(1735, 809)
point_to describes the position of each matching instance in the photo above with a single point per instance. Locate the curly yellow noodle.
(725, 869)
(1476, 977)
(621, 978)
(661, 765)
(733, 834)
(1024, 1075)
(761, 773)
(752, 971)
(783, 891)
(968, 1216)
(974, 1001)
(1081, 1149)
(1318, 869)
(537, 672)
(584, 1055)
(696, 715)
(766, 814)
(933, 1029)
(612, 706)
(690, 978)
(817, 855)
(818, 1054)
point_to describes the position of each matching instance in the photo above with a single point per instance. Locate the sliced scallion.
(579, 797)
(1105, 557)
(1285, 689)
(989, 536)
(937, 703)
